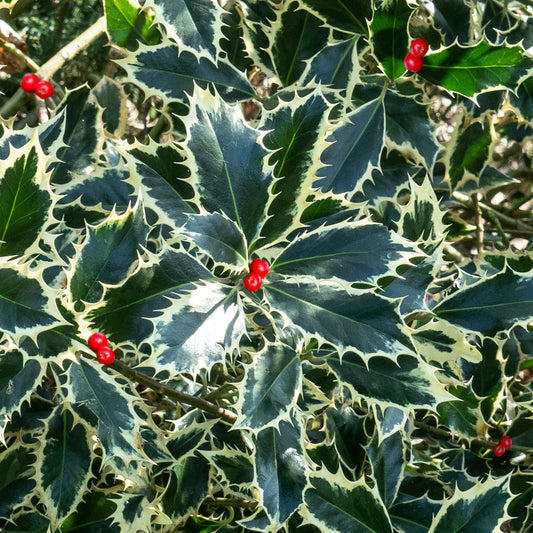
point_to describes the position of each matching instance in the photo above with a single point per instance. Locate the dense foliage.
(389, 347)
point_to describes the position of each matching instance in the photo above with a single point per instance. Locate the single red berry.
(498, 450)
(419, 48)
(259, 267)
(253, 282)
(44, 89)
(29, 81)
(97, 341)
(506, 441)
(412, 62)
(105, 355)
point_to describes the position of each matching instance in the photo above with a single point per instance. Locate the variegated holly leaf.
(128, 24)
(64, 464)
(197, 330)
(108, 255)
(389, 36)
(409, 130)
(442, 342)
(136, 512)
(17, 480)
(481, 508)
(294, 129)
(474, 69)
(492, 304)
(296, 36)
(82, 139)
(162, 177)
(356, 320)
(406, 383)
(113, 405)
(270, 388)
(187, 487)
(128, 309)
(388, 464)
(351, 16)
(470, 153)
(414, 515)
(454, 20)
(189, 433)
(226, 163)
(334, 504)
(170, 73)
(233, 466)
(27, 305)
(280, 469)
(336, 66)
(193, 24)
(354, 149)
(462, 415)
(100, 192)
(218, 237)
(18, 379)
(348, 251)
(522, 100)
(112, 97)
(26, 201)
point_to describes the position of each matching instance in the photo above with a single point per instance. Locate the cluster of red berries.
(499, 449)
(258, 270)
(98, 343)
(31, 83)
(413, 60)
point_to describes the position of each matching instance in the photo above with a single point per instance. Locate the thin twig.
(164, 390)
(56, 62)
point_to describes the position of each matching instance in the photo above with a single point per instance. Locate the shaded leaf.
(339, 506)
(64, 465)
(491, 304)
(355, 148)
(481, 508)
(347, 15)
(166, 71)
(297, 36)
(406, 383)
(270, 388)
(280, 470)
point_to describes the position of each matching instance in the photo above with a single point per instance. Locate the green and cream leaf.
(270, 389)
(355, 320)
(64, 464)
(481, 508)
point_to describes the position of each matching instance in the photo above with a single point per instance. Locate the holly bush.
(389, 348)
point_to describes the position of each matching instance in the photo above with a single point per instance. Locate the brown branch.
(164, 390)
(56, 62)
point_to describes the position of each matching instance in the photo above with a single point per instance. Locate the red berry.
(412, 63)
(105, 355)
(29, 81)
(506, 441)
(97, 341)
(44, 89)
(419, 48)
(259, 267)
(252, 282)
(498, 450)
